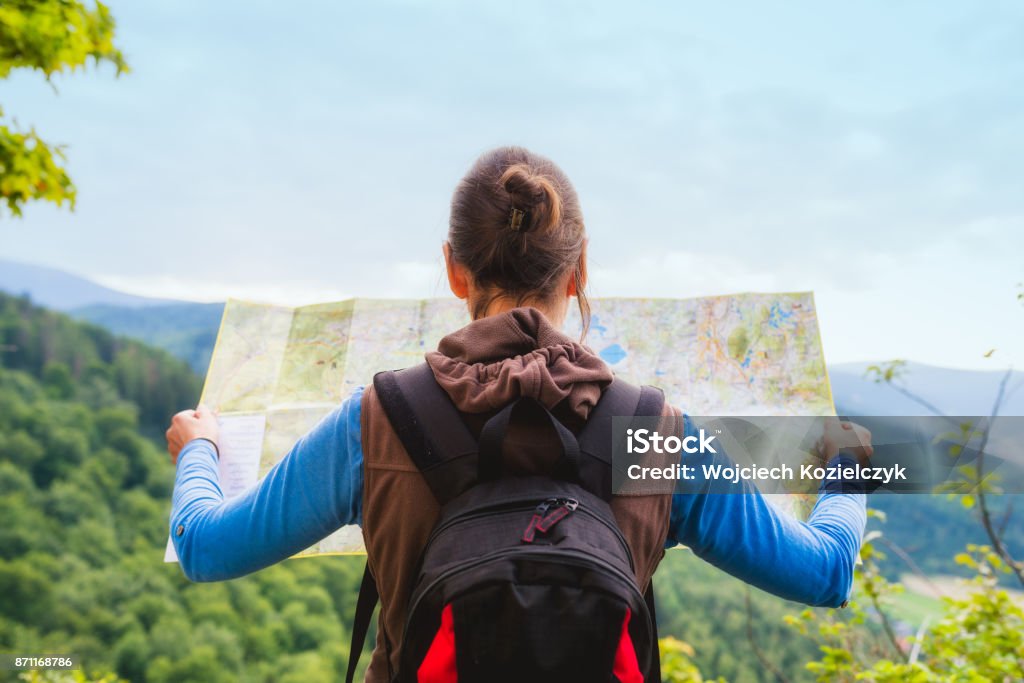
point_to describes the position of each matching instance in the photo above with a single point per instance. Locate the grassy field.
(914, 608)
(922, 597)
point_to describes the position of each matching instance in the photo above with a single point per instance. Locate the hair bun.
(517, 227)
(536, 195)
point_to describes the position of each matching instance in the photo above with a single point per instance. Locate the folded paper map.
(276, 371)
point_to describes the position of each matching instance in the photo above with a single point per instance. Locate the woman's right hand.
(200, 423)
(847, 437)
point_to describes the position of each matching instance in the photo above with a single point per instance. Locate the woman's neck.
(553, 311)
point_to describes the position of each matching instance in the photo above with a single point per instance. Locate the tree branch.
(986, 514)
(761, 656)
(909, 561)
(890, 634)
(1007, 514)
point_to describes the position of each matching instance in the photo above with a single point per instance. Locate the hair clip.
(515, 219)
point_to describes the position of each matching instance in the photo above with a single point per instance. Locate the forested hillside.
(186, 330)
(87, 364)
(84, 499)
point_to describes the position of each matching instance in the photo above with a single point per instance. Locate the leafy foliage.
(68, 677)
(30, 169)
(677, 664)
(53, 36)
(49, 36)
(887, 372)
(980, 636)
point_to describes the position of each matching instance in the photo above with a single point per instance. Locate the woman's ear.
(458, 280)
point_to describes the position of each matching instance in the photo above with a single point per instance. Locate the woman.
(516, 253)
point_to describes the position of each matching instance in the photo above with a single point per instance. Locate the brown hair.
(516, 225)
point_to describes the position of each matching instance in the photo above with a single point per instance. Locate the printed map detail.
(748, 354)
(276, 371)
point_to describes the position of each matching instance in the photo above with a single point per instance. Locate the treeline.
(86, 362)
(185, 330)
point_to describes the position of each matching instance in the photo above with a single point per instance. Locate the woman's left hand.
(848, 437)
(187, 425)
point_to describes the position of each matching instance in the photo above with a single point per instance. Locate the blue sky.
(871, 152)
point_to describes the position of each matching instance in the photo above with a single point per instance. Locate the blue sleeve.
(732, 526)
(314, 490)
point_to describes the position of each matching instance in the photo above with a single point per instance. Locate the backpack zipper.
(544, 520)
(516, 507)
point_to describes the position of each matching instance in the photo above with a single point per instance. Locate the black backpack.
(524, 578)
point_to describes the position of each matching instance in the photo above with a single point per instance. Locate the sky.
(870, 152)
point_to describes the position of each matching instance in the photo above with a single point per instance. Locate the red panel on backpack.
(626, 667)
(438, 665)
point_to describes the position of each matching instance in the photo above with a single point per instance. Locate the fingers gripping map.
(276, 371)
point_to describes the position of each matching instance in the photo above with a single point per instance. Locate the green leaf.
(965, 559)
(48, 36)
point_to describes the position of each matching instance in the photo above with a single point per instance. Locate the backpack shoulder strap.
(649, 601)
(620, 399)
(431, 431)
(365, 604)
(430, 428)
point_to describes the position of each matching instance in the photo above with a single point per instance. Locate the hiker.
(536, 569)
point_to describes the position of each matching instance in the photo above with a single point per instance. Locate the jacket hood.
(494, 360)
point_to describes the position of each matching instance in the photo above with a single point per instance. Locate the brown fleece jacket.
(483, 367)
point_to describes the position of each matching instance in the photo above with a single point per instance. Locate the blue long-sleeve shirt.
(317, 488)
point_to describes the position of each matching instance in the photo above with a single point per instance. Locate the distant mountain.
(61, 290)
(187, 330)
(954, 392)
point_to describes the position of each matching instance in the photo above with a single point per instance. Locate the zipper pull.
(543, 520)
(565, 507)
(538, 516)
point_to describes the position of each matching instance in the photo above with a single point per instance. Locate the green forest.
(85, 490)
(84, 494)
